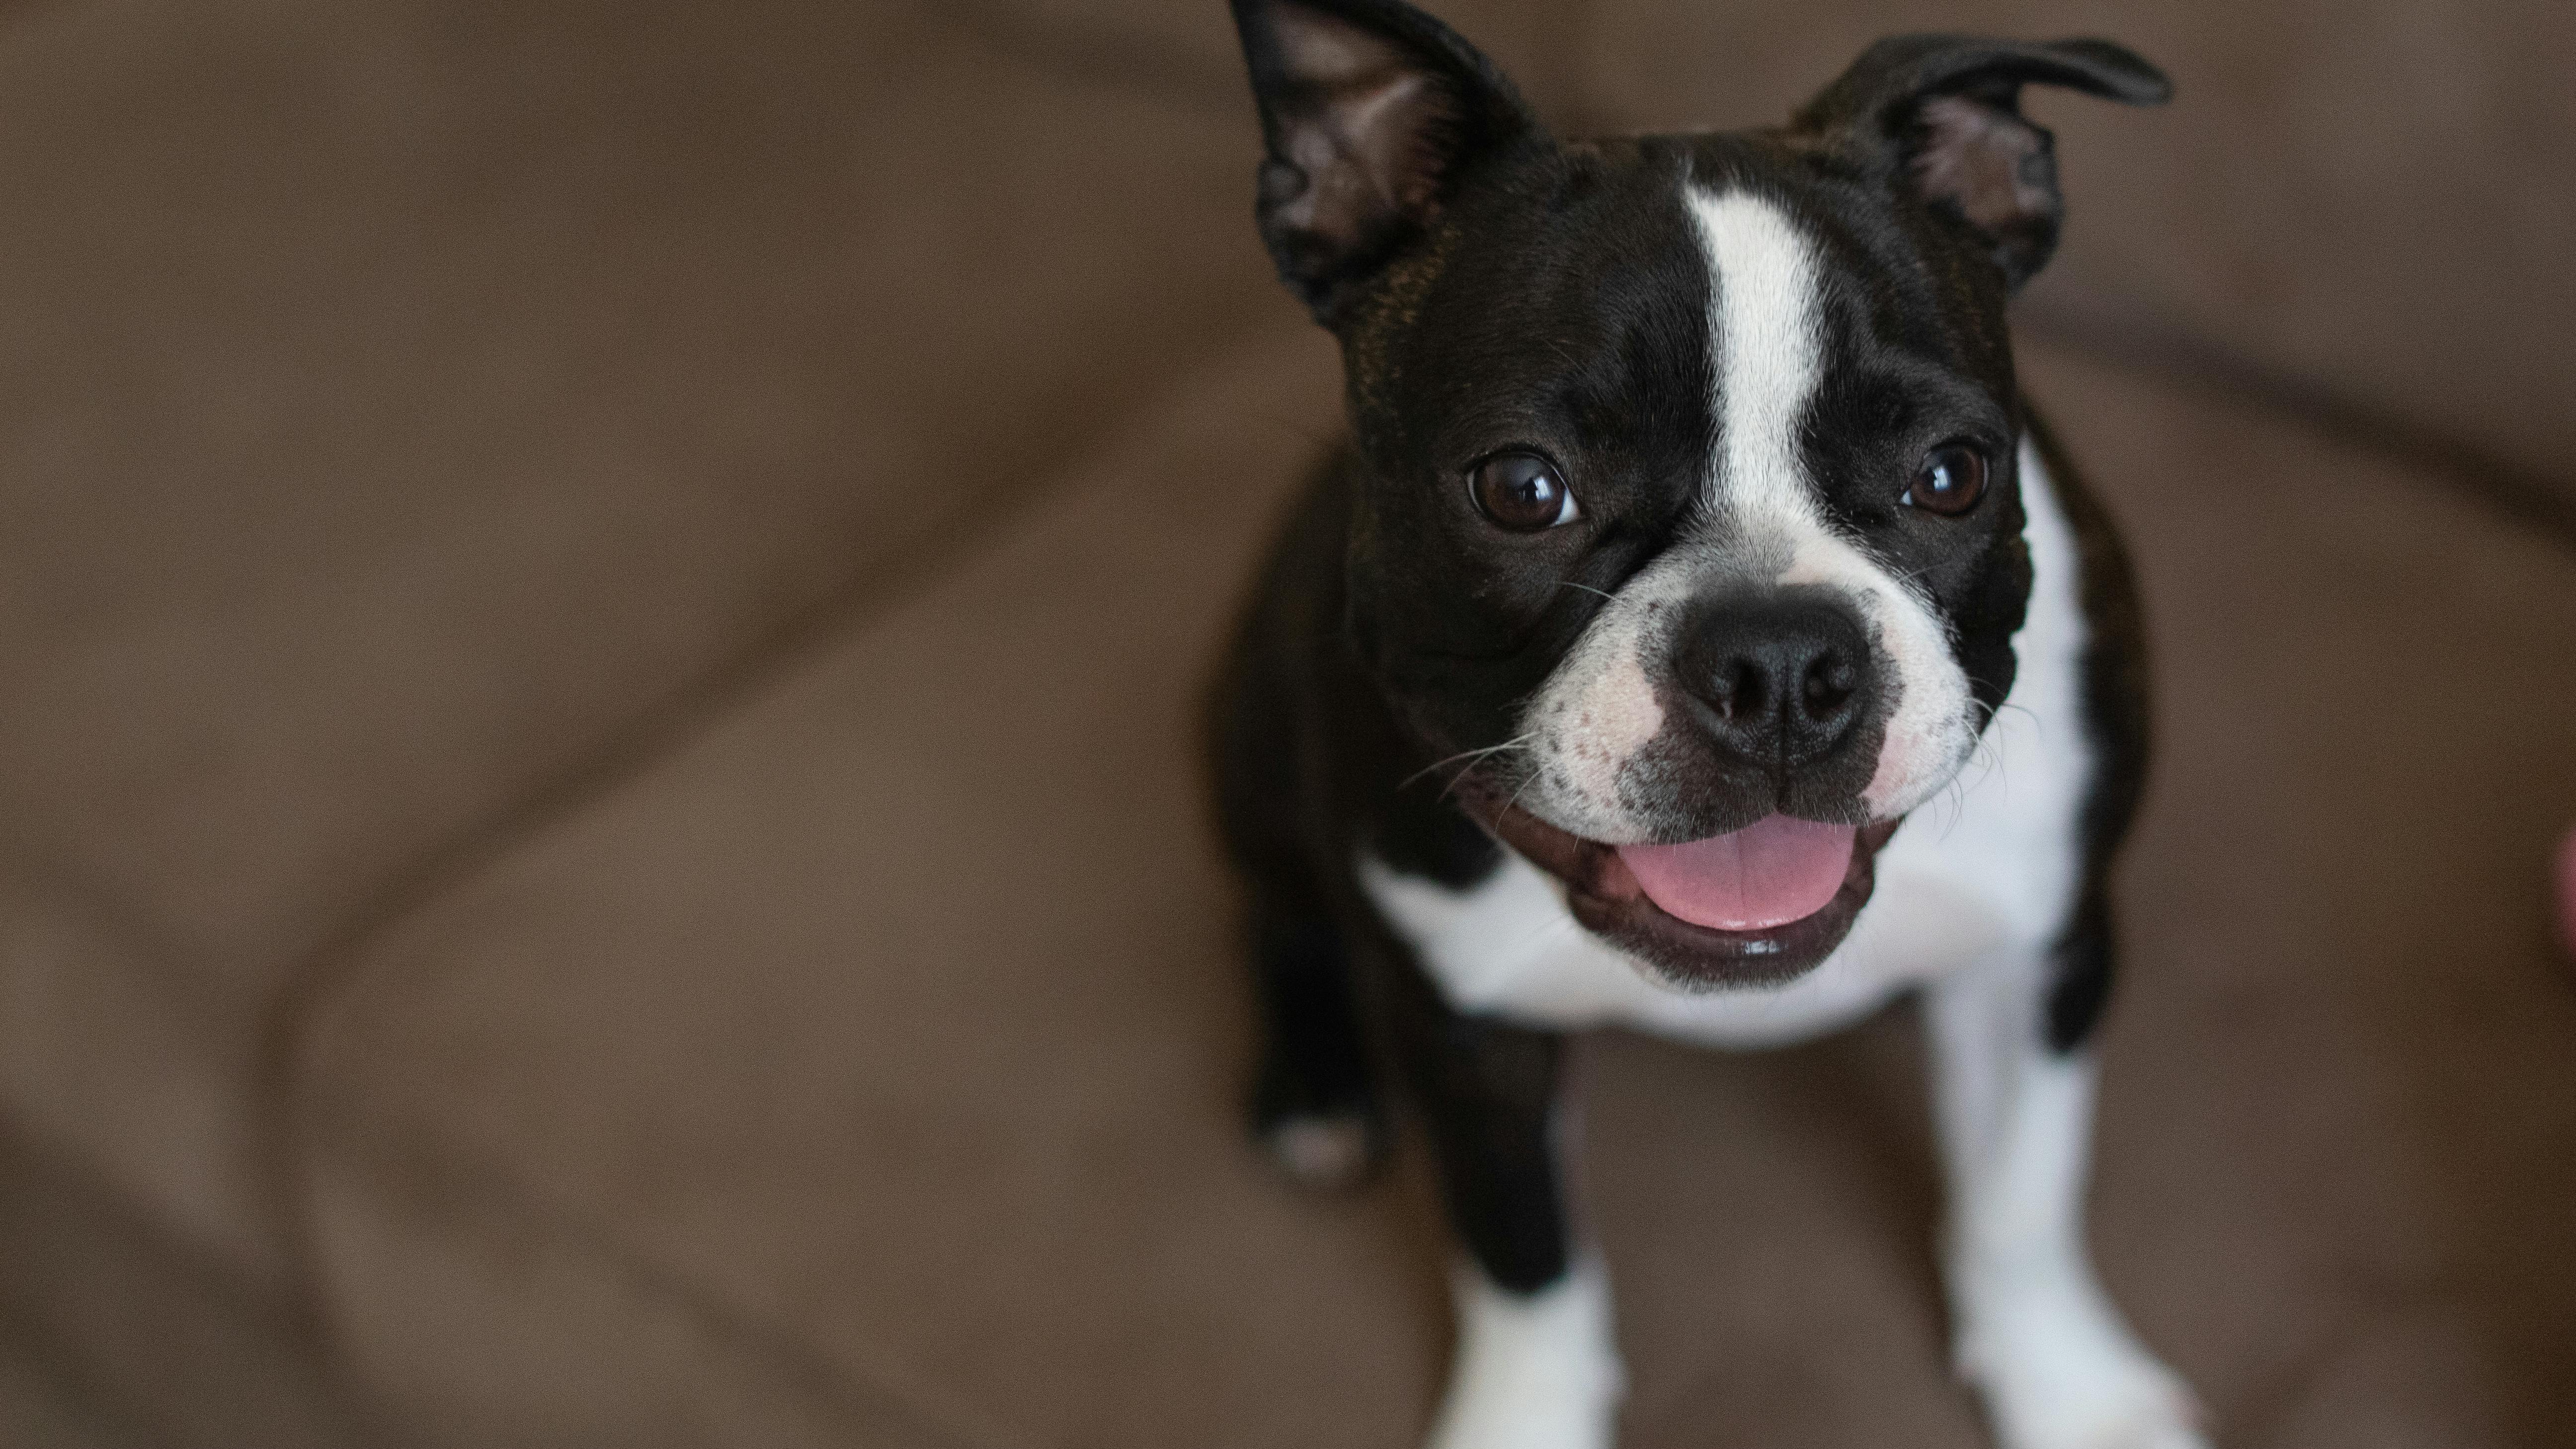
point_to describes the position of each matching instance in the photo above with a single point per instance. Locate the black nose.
(1783, 674)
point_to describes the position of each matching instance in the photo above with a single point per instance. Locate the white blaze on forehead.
(1763, 326)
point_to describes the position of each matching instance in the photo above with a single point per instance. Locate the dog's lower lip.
(1610, 902)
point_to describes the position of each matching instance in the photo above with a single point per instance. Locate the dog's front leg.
(2034, 1332)
(1535, 1365)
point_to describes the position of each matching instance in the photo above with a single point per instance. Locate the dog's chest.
(1988, 869)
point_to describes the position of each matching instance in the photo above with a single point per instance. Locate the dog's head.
(1689, 517)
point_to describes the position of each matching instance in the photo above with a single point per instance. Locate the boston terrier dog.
(1691, 540)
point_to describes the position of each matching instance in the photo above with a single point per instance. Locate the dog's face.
(1690, 519)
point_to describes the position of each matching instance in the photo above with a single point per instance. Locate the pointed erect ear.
(1370, 112)
(1944, 113)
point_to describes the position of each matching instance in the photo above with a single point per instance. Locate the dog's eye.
(1521, 492)
(1951, 480)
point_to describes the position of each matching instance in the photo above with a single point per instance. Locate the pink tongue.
(1770, 873)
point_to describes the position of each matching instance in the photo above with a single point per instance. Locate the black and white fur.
(1735, 350)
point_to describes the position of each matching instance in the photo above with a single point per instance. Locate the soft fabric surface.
(400, 404)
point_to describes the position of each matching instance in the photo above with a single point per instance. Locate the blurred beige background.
(598, 838)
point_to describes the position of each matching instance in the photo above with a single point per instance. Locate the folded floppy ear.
(1945, 112)
(1370, 112)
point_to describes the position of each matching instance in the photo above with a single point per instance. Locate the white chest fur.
(1986, 868)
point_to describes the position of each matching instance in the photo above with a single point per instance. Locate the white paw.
(1322, 1152)
(1535, 1372)
(2058, 1370)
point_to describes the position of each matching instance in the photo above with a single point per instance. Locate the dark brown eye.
(1951, 480)
(1521, 492)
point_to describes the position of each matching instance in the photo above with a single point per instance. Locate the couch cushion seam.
(778, 1350)
(625, 752)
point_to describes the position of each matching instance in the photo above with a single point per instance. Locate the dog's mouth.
(1753, 907)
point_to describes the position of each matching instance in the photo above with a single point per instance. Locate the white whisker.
(1471, 756)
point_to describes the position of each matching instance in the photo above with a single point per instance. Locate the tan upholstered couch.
(600, 840)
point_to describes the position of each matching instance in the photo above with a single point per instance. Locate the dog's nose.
(1783, 674)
